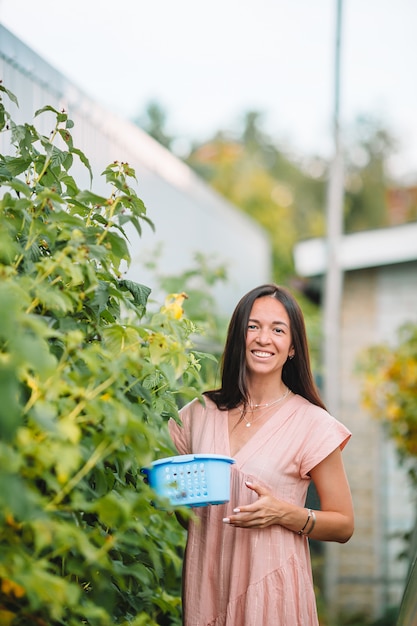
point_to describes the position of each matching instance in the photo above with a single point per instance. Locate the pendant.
(248, 424)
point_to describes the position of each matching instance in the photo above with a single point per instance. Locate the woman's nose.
(263, 336)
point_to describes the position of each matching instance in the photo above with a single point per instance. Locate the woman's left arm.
(335, 520)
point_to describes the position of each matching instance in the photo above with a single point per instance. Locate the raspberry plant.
(88, 377)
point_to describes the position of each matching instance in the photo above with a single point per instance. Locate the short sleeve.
(181, 434)
(178, 436)
(324, 434)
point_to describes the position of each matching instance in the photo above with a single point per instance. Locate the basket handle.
(184, 458)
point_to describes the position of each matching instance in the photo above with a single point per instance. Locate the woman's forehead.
(269, 307)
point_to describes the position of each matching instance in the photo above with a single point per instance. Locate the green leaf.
(66, 136)
(52, 299)
(89, 198)
(70, 184)
(46, 108)
(13, 166)
(58, 157)
(139, 292)
(18, 185)
(83, 160)
(15, 497)
(10, 413)
(119, 248)
(10, 94)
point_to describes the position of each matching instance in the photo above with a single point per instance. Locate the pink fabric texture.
(254, 577)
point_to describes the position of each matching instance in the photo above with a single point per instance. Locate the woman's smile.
(261, 354)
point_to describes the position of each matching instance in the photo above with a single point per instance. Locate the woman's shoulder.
(310, 410)
(317, 416)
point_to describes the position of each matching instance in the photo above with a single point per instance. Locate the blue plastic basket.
(191, 479)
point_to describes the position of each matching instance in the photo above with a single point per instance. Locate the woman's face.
(268, 337)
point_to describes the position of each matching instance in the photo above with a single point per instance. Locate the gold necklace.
(258, 406)
(255, 407)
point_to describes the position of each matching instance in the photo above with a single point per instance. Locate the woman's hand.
(260, 514)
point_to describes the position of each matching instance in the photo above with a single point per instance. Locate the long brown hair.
(296, 373)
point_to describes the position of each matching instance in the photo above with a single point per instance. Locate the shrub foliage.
(389, 390)
(88, 377)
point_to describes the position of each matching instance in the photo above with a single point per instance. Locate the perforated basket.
(191, 479)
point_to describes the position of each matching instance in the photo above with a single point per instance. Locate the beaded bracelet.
(310, 513)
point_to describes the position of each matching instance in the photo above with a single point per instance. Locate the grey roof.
(386, 246)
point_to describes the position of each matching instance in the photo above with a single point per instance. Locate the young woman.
(247, 562)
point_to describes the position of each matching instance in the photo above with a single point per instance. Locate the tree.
(367, 180)
(88, 378)
(263, 182)
(153, 122)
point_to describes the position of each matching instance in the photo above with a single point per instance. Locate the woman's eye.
(252, 327)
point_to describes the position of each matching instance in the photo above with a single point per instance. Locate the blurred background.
(207, 65)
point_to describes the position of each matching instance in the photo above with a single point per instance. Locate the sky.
(207, 64)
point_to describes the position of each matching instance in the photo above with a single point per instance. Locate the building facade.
(379, 294)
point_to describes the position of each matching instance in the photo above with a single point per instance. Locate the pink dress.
(254, 577)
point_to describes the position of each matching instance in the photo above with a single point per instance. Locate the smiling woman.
(251, 555)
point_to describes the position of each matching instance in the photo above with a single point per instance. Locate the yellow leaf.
(10, 588)
(158, 347)
(6, 617)
(173, 305)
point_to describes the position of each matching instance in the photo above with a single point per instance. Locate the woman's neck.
(265, 394)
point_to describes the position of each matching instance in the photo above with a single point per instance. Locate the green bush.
(88, 378)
